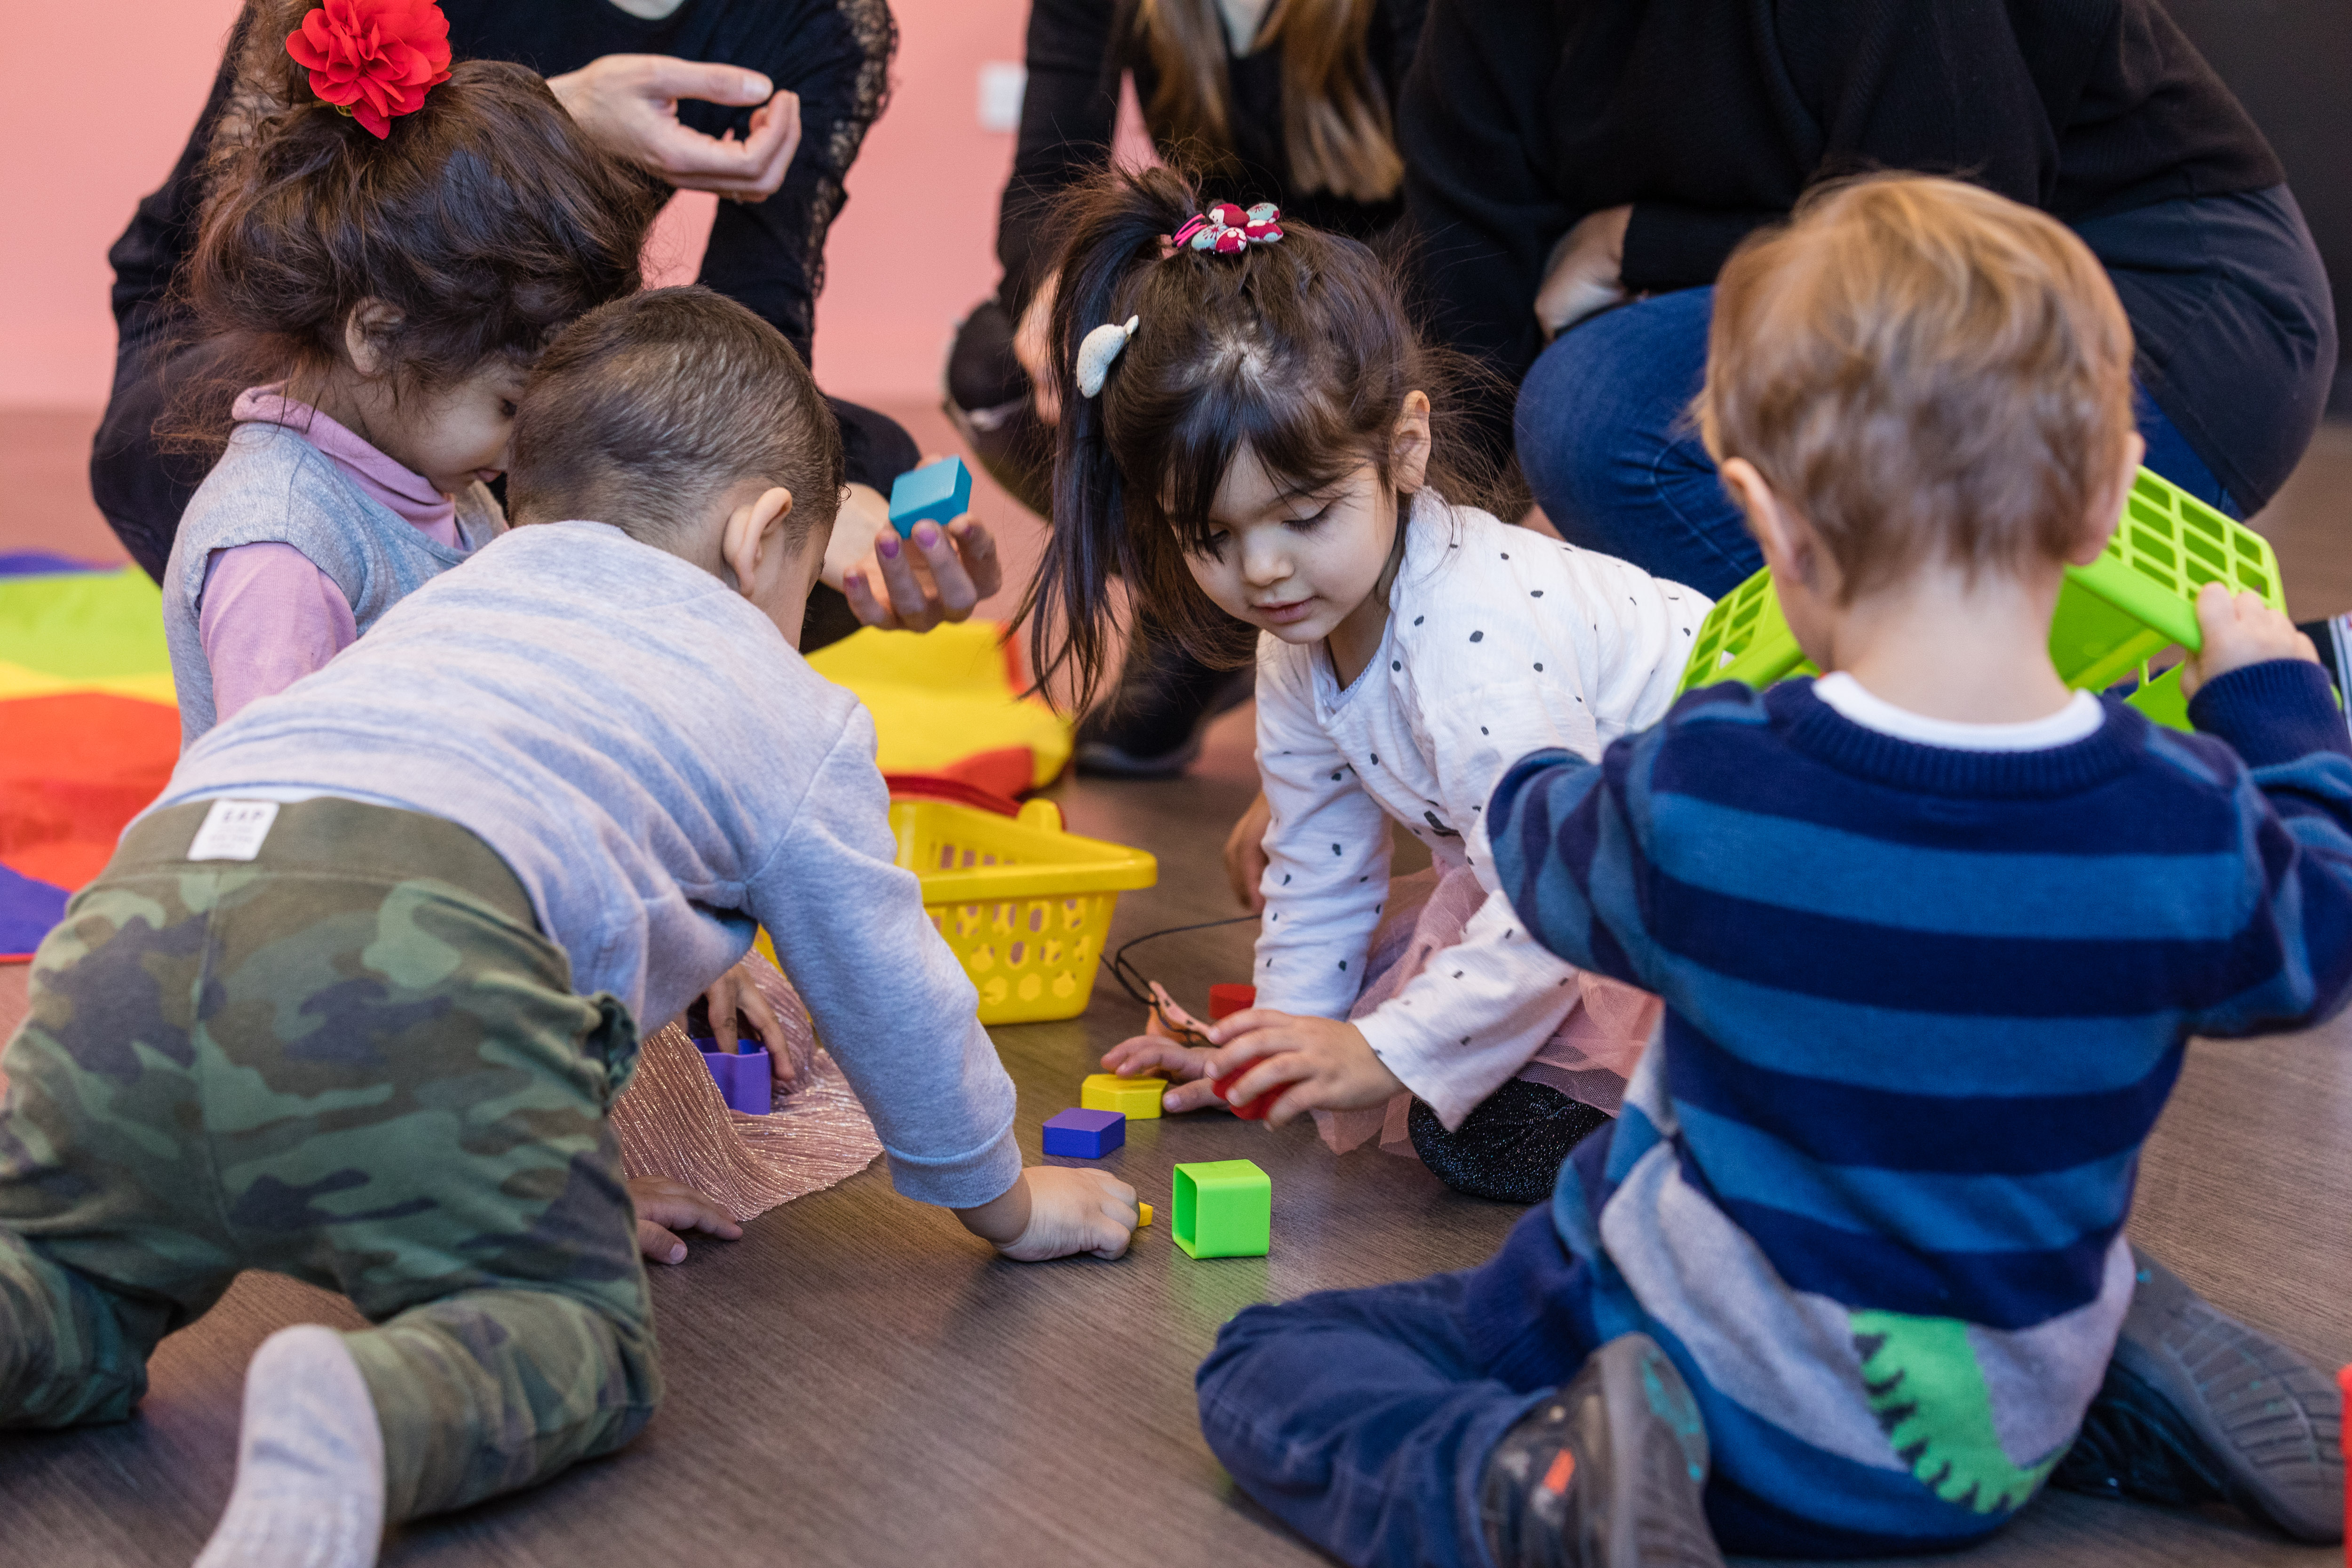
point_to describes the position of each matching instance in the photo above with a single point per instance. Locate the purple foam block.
(1085, 1134)
(746, 1082)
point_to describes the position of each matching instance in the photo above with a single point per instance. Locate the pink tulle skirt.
(1588, 1057)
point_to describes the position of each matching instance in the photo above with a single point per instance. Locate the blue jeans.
(1362, 1419)
(2236, 339)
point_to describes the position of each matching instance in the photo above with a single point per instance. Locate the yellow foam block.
(1137, 1099)
(1147, 1216)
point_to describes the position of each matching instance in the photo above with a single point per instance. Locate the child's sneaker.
(1608, 1473)
(2199, 1408)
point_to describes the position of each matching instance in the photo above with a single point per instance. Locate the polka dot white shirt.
(1501, 641)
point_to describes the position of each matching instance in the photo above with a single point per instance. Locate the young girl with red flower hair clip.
(1257, 440)
(386, 242)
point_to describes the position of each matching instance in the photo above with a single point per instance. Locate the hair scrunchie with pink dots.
(1224, 229)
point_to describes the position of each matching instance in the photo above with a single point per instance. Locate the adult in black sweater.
(620, 69)
(1076, 52)
(1579, 169)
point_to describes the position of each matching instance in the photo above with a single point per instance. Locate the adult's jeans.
(2235, 329)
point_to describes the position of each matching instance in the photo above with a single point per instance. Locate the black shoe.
(1511, 1145)
(1152, 725)
(1607, 1473)
(2199, 1408)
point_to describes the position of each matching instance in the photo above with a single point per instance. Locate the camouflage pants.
(353, 1060)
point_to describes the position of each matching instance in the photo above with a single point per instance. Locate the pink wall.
(912, 251)
(87, 134)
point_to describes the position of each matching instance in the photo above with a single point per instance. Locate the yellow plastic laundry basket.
(1025, 905)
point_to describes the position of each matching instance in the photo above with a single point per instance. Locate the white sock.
(309, 1461)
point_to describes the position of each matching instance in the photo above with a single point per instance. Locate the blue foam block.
(940, 491)
(1085, 1134)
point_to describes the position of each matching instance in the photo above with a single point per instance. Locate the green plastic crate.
(2114, 616)
(1224, 1208)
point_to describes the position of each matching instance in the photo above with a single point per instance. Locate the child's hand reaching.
(1169, 1044)
(1157, 1056)
(665, 1207)
(735, 990)
(2239, 630)
(1054, 1211)
(1327, 1065)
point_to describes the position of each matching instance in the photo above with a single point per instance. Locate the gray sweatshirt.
(661, 771)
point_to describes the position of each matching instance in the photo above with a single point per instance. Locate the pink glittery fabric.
(1588, 1057)
(672, 1123)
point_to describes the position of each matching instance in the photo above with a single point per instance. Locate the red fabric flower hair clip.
(1226, 228)
(372, 59)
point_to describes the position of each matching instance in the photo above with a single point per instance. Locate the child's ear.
(365, 331)
(1788, 547)
(752, 537)
(1409, 447)
(2107, 507)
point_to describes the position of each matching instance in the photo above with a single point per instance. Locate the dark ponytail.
(1300, 350)
(487, 219)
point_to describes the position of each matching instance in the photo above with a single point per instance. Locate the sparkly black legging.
(1510, 1146)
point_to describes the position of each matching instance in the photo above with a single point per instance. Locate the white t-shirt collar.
(2080, 717)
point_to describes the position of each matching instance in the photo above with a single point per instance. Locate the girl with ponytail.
(1291, 100)
(1254, 437)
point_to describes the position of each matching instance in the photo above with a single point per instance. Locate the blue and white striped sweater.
(1923, 1008)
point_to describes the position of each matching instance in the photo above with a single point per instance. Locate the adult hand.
(1032, 345)
(665, 1207)
(628, 106)
(1586, 271)
(1246, 856)
(2240, 629)
(910, 585)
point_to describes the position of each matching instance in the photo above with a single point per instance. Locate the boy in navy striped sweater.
(1932, 933)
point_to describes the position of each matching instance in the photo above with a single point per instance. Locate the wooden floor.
(857, 1382)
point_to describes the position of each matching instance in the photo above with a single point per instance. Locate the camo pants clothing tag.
(353, 1059)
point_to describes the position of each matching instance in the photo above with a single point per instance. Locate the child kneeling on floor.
(1249, 438)
(352, 1000)
(1932, 933)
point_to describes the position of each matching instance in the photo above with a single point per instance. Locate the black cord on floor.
(1132, 980)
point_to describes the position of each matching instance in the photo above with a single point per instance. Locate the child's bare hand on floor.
(2239, 630)
(736, 990)
(1162, 1055)
(1317, 1064)
(665, 1207)
(1054, 1211)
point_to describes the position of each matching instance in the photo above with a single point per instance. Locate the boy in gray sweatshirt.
(351, 1000)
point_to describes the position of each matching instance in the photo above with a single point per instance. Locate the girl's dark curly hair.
(487, 220)
(1300, 351)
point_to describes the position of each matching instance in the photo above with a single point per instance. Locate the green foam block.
(1224, 1208)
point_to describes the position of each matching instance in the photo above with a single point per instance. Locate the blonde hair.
(1922, 370)
(1335, 126)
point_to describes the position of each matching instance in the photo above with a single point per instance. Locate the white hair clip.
(1097, 349)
